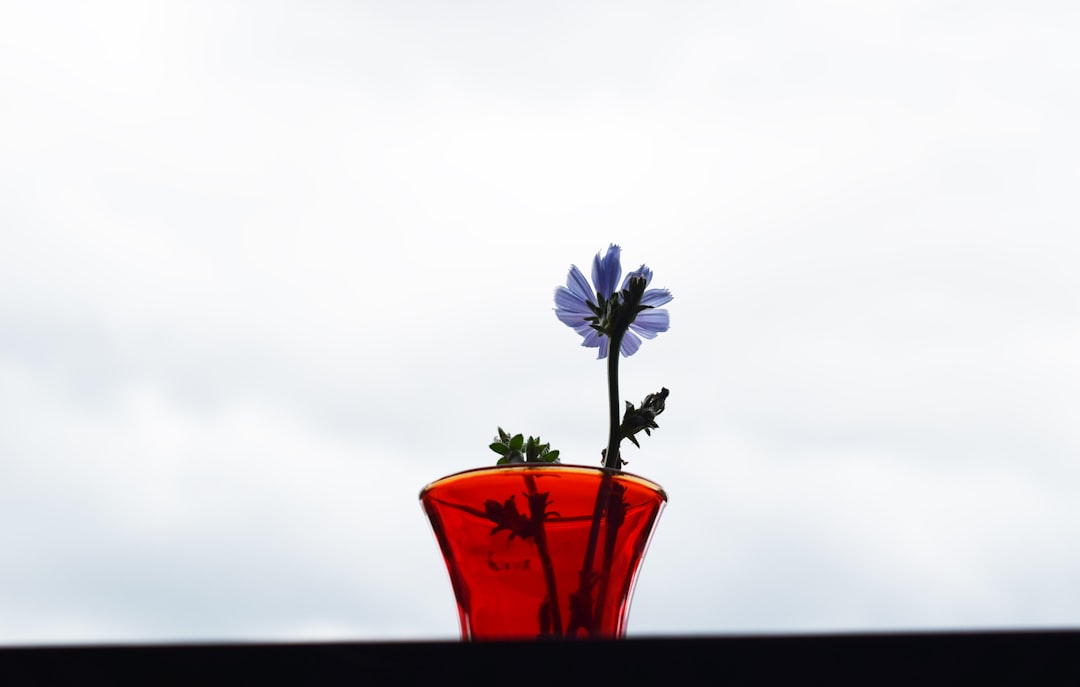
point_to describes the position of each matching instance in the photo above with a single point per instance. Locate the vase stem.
(537, 511)
(582, 601)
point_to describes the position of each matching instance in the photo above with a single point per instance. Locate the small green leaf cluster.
(516, 449)
(643, 418)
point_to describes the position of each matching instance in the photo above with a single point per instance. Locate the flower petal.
(579, 286)
(571, 319)
(605, 342)
(649, 323)
(630, 344)
(642, 271)
(606, 271)
(592, 338)
(656, 297)
(567, 301)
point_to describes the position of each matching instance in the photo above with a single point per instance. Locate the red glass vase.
(540, 551)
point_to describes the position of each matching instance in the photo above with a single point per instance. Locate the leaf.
(499, 448)
(517, 442)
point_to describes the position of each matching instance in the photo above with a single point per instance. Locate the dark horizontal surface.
(950, 658)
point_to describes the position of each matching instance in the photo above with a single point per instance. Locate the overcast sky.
(266, 269)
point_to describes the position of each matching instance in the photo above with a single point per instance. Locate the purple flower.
(595, 314)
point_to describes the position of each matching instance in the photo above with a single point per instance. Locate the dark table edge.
(1036, 656)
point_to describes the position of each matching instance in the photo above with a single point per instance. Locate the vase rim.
(553, 467)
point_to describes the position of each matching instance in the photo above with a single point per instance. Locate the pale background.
(266, 269)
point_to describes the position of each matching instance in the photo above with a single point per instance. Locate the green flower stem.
(611, 456)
